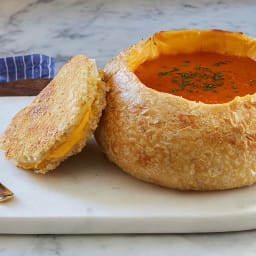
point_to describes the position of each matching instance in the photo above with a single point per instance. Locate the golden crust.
(169, 140)
(50, 119)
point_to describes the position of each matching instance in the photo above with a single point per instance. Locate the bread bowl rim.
(121, 59)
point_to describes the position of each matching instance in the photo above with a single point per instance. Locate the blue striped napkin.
(34, 66)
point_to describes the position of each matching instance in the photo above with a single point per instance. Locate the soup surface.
(201, 76)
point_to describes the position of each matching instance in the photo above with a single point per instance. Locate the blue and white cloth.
(34, 66)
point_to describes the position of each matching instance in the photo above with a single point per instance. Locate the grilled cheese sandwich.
(60, 119)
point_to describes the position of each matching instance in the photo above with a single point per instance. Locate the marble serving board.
(88, 194)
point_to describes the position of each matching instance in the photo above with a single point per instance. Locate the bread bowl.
(173, 141)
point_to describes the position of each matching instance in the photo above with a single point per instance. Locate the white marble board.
(88, 194)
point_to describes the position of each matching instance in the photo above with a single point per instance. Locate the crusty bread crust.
(171, 141)
(50, 119)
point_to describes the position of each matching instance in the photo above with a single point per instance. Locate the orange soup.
(201, 76)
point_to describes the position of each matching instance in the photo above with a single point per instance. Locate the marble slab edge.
(123, 225)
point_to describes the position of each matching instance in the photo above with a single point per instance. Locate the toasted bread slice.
(60, 119)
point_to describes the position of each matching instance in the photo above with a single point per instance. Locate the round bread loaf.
(169, 140)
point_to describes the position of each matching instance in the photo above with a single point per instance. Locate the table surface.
(100, 29)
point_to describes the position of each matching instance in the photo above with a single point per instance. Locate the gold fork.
(5, 193)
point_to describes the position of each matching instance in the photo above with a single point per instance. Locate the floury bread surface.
(169, 140)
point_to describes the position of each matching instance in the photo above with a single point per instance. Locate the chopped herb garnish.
(217, 64)
(167, 73)
(183, 83)
(184, 75)
(252, 81)
(198, 67)
(209, 86)
(207, 69)
(219, 84)
(204, 76)
(192, 78)
(187, 75)
(217, 76)
(174, 90)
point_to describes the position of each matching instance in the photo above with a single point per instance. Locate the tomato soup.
(201, 76)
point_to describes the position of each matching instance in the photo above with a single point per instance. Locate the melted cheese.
(63, 149)
(76, 136)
